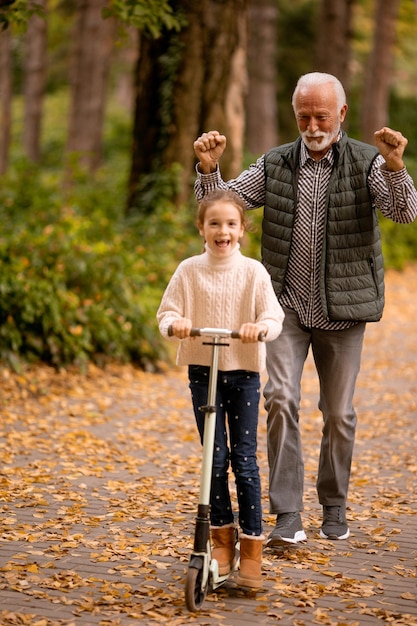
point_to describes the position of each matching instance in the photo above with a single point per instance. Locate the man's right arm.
(208, 148)
(249, 185)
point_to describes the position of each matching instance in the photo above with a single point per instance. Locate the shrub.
(78, 282)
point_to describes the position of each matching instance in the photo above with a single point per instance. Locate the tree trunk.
(334, 36)
(188, 82)
(378, 74)
(224, 79)
(6, 98)
(93, 42)
(124, 61)
(262, 107)
(235, 104)
(35, 79)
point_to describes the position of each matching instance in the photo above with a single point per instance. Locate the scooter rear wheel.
(194, 593)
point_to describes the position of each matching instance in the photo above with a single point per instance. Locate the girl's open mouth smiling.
(222, 243)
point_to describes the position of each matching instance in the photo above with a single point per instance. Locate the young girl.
(224, 289)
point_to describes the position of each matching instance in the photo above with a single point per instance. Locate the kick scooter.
(203, 571)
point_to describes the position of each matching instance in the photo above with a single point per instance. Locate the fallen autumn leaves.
(99, 485)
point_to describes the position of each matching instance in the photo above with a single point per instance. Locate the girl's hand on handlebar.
(250, 333)
(181, 327)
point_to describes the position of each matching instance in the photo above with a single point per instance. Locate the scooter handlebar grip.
(261, 336)
(195, 332)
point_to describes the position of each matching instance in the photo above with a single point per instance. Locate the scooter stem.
(209, 428)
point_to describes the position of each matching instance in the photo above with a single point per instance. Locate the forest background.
(101, 101)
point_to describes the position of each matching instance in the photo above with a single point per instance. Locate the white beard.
(312, 143)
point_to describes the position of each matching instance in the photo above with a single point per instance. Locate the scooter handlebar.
(216, 332)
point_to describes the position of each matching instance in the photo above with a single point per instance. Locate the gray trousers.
(337, 356)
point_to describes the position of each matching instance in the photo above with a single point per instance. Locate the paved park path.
(99, 483)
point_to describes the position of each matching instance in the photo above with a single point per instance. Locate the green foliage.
(77, 282)
(149, 16)
(153, 189)
(403, 116)
(399, 243)
(18, 12)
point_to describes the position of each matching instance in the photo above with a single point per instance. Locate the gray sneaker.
(288, 530)
(334, 524)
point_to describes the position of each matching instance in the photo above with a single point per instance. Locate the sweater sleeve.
(172, 304)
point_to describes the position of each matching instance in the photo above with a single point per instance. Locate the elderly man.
(321, 245)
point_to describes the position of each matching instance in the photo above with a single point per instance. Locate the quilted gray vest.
(351, 265)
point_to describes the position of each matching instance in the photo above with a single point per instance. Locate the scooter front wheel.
(195, 590)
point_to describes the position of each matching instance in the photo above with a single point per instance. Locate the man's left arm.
(392, 188)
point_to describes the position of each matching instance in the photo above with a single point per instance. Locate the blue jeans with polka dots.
(235, 444)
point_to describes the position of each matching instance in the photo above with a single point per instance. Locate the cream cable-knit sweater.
(221, 293)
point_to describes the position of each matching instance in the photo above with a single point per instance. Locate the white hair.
(314, 79)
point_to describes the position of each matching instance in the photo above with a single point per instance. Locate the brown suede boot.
(224, 539)
(250, 561)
